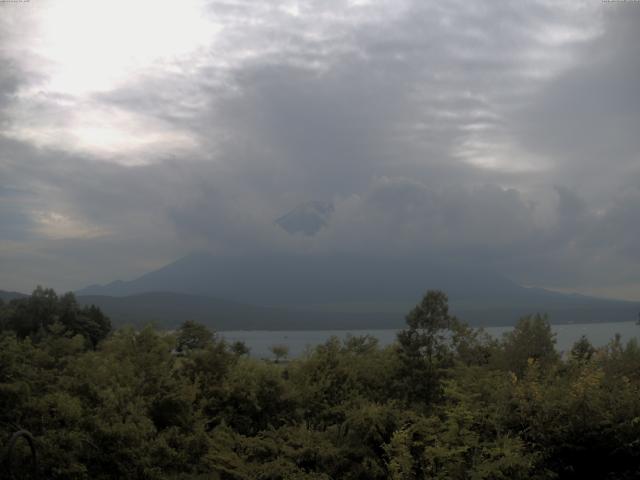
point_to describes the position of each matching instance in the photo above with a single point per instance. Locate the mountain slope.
(295, 280)
(347, 288)
(169, 310)
(8, 296)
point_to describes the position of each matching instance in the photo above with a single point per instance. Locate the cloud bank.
(494, 133)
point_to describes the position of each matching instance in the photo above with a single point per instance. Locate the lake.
(259, 341)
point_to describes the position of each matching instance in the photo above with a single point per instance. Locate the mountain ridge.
(347, 288)
(6, 295)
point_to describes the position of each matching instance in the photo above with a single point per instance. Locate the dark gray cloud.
(503, 135)
(586, 119)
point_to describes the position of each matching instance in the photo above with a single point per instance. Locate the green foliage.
(582, 350)
(44, 314)
(531, 338)
(193, 336)
(239, 348)
(444, 402)
(425, 348)
(280, 352)
(427, 323)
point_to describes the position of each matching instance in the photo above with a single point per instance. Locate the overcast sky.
(500, 133)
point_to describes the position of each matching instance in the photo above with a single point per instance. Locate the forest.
(445, 401)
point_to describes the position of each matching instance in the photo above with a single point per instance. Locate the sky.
(503, 134)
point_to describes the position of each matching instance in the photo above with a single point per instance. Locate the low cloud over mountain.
(432, 133)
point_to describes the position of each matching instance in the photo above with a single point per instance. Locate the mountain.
(307, 218)
(303, 280)
(343, 290)
(8, 296)
(169, 310)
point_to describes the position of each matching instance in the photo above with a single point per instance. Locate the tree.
(582, 349)
(531, 338)
(239, 348)
(88, 321)
(472, 346)
(426, 323)
(279, 351)
(34, 314)
(3, 315)
(44, 314)
(193, 336)
(424, 346)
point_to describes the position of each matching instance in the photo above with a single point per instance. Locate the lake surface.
(298, 341)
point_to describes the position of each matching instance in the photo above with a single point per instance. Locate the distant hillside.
(340, 291)
(303, 280)
(169, 310)
(7, 296)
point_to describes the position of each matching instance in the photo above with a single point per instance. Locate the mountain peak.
(307, 218)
